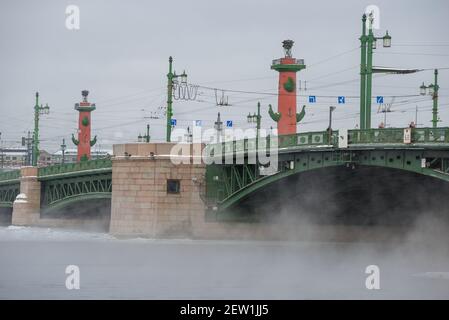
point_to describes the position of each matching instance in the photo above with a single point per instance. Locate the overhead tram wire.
(332, 57)
(303, 95)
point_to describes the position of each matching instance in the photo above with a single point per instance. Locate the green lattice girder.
(225, 183)
(63, 191)
(8, 193)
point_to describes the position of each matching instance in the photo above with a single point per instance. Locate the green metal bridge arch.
(62, 185)
(240, 194)
(426, 153)
(9, 187)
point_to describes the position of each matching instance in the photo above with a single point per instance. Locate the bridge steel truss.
(65, 184)
(427, 154)
(9, 187)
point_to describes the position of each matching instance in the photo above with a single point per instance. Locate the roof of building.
(69, 152)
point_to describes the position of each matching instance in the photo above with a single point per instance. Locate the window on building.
(173, 186)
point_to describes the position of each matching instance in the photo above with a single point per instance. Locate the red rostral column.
(286, 117)
(84, 143)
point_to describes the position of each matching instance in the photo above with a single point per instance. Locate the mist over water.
(33, 262)
(329, 239)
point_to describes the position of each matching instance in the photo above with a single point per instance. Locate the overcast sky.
(120, 54)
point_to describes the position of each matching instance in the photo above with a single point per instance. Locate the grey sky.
(120, 54)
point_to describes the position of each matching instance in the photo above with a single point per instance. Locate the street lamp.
(256, 118)
(38, 110)
(422, 89)
(145, 138)
(219, 127)
(368, 44)
(331, 109)
(63, 147)
(172, 80)
(432, 90)
(386, 40)
(189, 136)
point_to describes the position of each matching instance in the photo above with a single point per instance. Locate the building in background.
(13, 158)
(70, 155)
(44, 159)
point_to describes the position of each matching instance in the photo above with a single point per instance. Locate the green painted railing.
(75, 167)
(321, 138)
(10, 175)
(396, 135)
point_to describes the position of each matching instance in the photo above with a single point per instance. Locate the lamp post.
(331, 109)
(28, 142)
(38, 110)
(63, 148)
(146, 138)
(1, 149)
(219, 127)
(368, 44)
(172, 80)
(432, 90)
(255, 118)
(189, 136)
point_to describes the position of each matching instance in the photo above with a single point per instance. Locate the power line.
(332, 57)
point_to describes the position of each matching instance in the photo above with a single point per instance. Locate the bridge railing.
(75, 167)
(322, 139)
(387, 135)
(308, 139)
(396, 136)
(10, 175)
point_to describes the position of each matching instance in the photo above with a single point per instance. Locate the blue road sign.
(198, 123)
(341, 99)
(312, 99)
(173, 122)
(380, 99)
(229, 123)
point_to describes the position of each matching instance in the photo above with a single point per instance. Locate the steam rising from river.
(328, 261)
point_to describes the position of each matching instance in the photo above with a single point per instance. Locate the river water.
(33, 262)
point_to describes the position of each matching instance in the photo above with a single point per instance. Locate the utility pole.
(432, 89)
(256, 118)
(189, 136)
(169, 98)
(368, 44)
(331, 109)
(219, 127)
(172, 81)
(146, 137)
(28, 143)
(29, 149)
(1, 149)
(435, 101)
(63, 147)
(416, 116)
(38, 110)
(363, 40)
